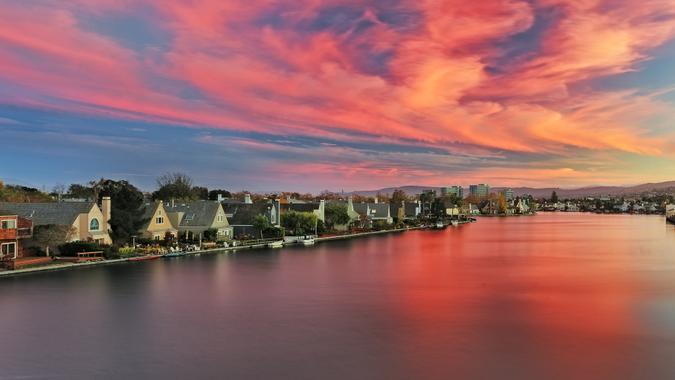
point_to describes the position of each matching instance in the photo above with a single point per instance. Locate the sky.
(307, 95)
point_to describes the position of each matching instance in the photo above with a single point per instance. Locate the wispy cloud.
(477, 84)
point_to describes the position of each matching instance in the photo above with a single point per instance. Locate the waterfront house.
(89, 222)
(317, 208)
(13, 229)
(158, 225)
(193, 218)
(406, 210)
(373, 212)
(241, 216)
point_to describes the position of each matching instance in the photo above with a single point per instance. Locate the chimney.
(105, 209)
(220, 197)
(247, 199)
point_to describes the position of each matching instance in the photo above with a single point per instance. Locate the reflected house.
(13, 229)
(193, 218)
(158, 225)
(241, 216)
(88, 221)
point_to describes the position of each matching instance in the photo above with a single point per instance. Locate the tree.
(213, 194)
(398, 196)
(200, 193)
(52, 235)
(127, 209)
(58, 190)
(336, 214)
(174, 186)
(78, 191)
(501, 204)
(261, 223)
(554, 197)
(299, 223)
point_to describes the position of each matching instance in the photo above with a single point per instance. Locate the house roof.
(301, 207)
(379, 210)
(243, 214)
(59, 213)
(199, 213)
(361, 208)
(411, 209)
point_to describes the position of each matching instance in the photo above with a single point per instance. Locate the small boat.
(670, 214)
(455, 223)
(439, 225)
(308, 241)
(276, 244)
(145, 258)
(175, 254)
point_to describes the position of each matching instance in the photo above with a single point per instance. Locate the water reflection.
(553, 296)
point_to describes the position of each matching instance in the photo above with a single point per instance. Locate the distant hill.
(546, 192)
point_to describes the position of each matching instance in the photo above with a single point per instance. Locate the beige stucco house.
(88, 221)
(158, 223)
(193, 218)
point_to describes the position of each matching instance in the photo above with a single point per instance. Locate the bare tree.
(51, 235)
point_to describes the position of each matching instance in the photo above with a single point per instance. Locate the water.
(556, 296)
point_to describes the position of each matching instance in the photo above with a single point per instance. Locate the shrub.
(73, 248)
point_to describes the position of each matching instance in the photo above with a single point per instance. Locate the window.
(93, 225)
(220, 217)
(8, 249)
(9, 224)
(159, 220)
(157, 237)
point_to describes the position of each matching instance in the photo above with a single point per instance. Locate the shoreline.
(68, 266)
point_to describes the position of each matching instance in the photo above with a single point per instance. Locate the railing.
(24, 233)
(8, 234)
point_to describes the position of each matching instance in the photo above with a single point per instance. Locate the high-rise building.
(507, 193)
(457, 191)
(480, 190)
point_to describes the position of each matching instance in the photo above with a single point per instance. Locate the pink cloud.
(434, 86)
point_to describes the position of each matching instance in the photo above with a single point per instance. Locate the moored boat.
(276, 244)
(439, 225)
(175, 254)
(670, 214)
(308, 241)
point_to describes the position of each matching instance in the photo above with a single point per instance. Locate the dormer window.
(94, 225)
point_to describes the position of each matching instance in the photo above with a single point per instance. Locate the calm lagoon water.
(555, 296)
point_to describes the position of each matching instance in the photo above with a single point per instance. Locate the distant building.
(480, 190)
(507, 193)
(456, 191)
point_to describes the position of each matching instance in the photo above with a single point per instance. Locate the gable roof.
(301, 207)
(243, 214)
(379, 210)
(198, 213)
(59, 213)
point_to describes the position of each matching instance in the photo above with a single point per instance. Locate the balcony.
(14, 233)
(8, 234)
